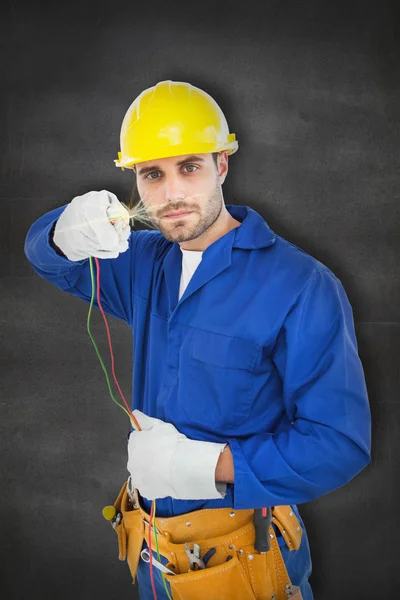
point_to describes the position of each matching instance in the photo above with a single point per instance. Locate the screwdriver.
(262, 520)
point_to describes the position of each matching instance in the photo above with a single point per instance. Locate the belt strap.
(211, 523)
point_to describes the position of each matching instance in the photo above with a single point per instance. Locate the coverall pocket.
(217, 391)
(226, 580)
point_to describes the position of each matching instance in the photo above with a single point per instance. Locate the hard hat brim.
(128, 162)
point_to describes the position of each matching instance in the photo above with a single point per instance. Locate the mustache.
(159, 210)
(163, 209)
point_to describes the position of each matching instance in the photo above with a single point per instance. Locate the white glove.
(163, 462)
(84, 228)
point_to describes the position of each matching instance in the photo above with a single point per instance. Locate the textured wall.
(311, 90)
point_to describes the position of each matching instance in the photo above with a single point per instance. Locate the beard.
(193, 226)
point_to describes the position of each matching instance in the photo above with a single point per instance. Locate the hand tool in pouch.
(262, 521)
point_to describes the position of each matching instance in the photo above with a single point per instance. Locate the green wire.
(158, 553)
(112, 395)
(94, 343)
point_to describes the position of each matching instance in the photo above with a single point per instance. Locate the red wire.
(151, 552)
(110, 344)
(130, 412)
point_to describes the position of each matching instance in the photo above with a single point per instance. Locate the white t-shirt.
(190, 261)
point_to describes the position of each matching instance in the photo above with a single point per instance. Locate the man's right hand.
(84, 228)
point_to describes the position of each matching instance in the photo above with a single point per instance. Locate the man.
(248, 387)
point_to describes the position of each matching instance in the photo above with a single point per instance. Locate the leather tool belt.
(247, 575)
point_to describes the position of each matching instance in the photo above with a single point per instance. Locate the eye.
(191, 167)
(149, 175)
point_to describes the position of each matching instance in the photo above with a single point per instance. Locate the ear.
(222, 166)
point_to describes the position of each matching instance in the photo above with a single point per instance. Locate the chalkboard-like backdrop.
(312, 91)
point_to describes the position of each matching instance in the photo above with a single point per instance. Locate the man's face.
(189, 183)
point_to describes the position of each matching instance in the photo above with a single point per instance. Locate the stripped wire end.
(114, 220)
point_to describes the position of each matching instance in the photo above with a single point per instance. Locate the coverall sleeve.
(74, 276)
(323, 439)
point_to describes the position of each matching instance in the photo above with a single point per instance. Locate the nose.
(174, 188)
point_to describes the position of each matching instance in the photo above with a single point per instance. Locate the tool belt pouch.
(248, 575)
(240, 578)
(226, 580)
(130, 531)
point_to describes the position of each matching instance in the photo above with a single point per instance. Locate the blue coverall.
(260, 352)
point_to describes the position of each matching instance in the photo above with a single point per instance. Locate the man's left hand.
(164, 462)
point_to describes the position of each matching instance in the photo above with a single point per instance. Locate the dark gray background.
(311, 90)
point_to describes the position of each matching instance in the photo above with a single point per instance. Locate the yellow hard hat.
(173, 118)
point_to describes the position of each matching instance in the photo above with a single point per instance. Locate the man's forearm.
(224, 470)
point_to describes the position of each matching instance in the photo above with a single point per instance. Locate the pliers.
(194, 557)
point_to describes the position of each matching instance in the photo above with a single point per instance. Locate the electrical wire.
(158, 553)
(126, 410)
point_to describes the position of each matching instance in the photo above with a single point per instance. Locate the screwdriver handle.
(262, 520)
